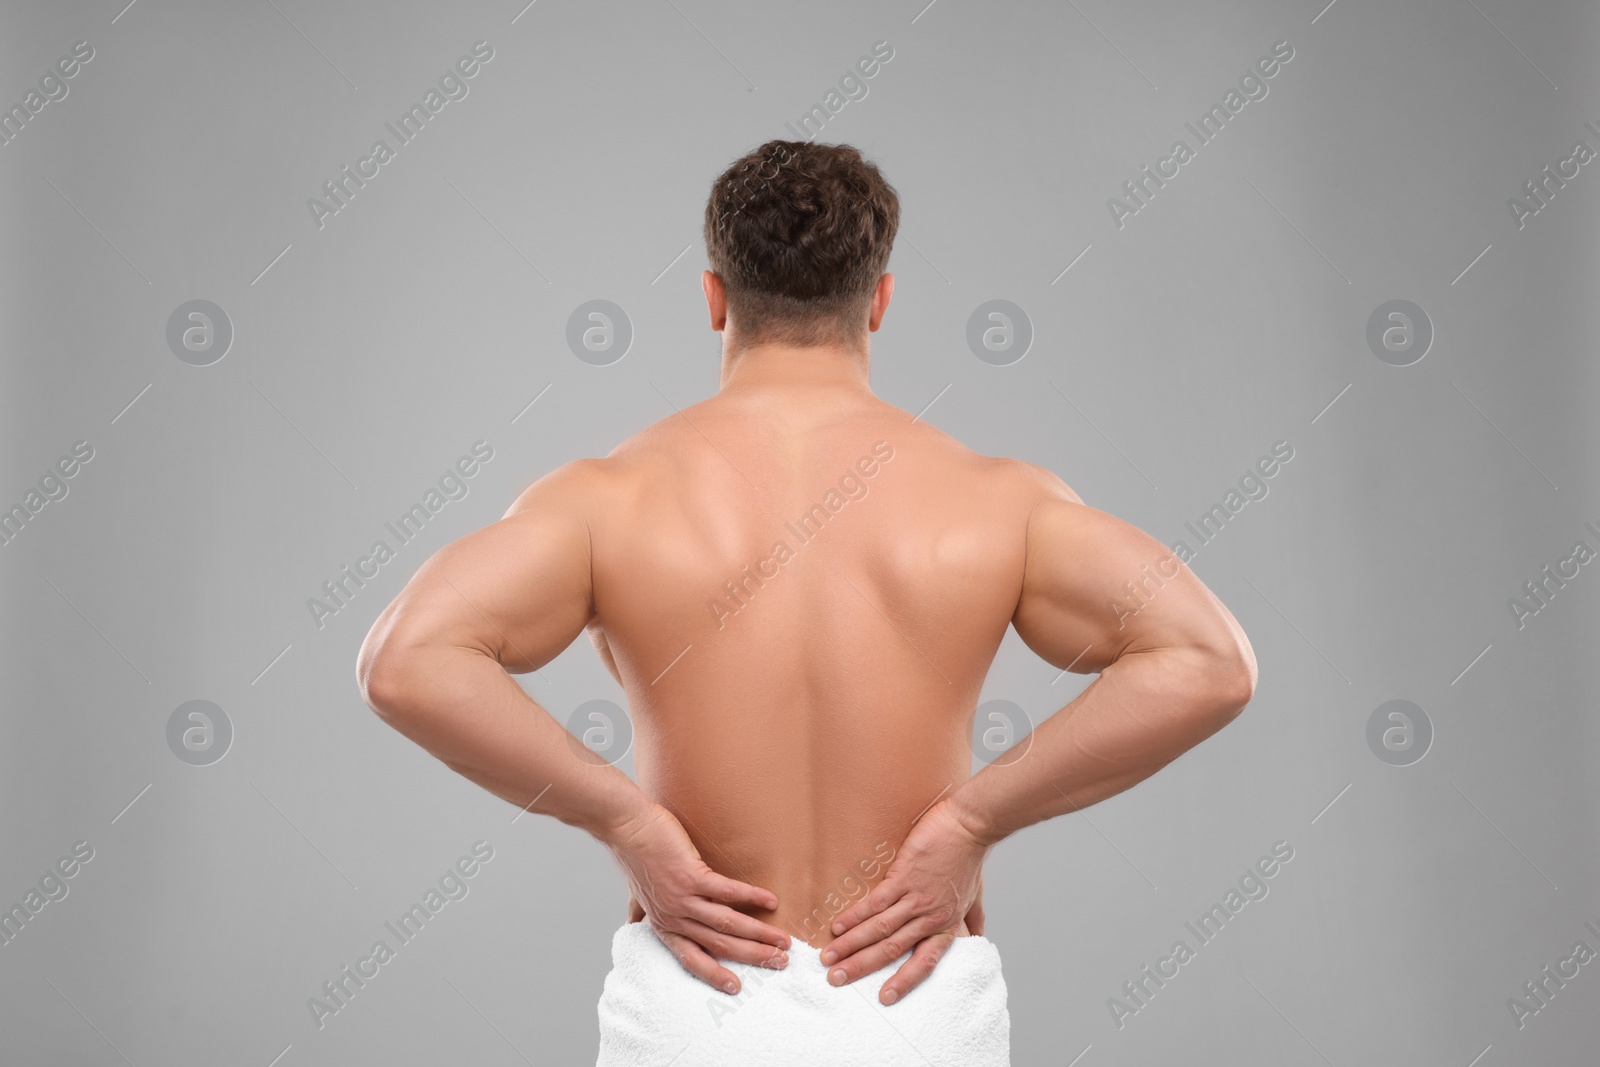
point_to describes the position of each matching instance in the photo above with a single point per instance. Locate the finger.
(695, 960)
(882, 896)
(725, 920)
(729, 947)
(885, 936)
(869, 930)
(731, 891)
(885, 952)
(921, 964)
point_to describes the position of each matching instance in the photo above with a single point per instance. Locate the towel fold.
(654, 1013)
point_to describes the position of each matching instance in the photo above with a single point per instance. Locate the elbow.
(379, 687)
(1231, 683)
(1216, 682)
(1231, 699)
(407, 674)
(382, 694)
(381, 675)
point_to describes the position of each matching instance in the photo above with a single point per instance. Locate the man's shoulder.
(594, 483)
(574, 487)
(1042, 481)
(1008, 492)
(1017, 477)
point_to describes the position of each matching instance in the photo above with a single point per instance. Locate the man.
(801, 588)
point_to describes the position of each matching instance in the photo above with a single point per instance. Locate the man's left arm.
(437, 663)
(437, 667)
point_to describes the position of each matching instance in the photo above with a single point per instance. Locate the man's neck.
(776, 368)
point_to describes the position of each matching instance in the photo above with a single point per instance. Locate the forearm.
(464, 708)
(1142, 712)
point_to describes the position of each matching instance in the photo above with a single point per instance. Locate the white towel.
(654, 1013)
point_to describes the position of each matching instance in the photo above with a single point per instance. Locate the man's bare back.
(801, 592)
(801, 588)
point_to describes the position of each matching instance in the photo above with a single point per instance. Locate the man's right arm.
(1100, 595)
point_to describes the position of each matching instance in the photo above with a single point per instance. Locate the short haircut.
(800, 233)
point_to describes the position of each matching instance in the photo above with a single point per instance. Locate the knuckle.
(883, 927)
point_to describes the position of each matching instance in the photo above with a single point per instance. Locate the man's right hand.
(689, 905)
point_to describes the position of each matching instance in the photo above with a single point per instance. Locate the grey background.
(368, 355)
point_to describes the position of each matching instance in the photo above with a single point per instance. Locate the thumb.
(974, 915)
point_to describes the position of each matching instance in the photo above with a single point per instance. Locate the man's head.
(800, 234)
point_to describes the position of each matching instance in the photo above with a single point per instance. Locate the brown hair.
(800, 233)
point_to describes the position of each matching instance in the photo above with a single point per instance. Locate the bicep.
(517, 590)
(1096, 587)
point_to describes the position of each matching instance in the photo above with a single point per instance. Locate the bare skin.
(801, 589)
